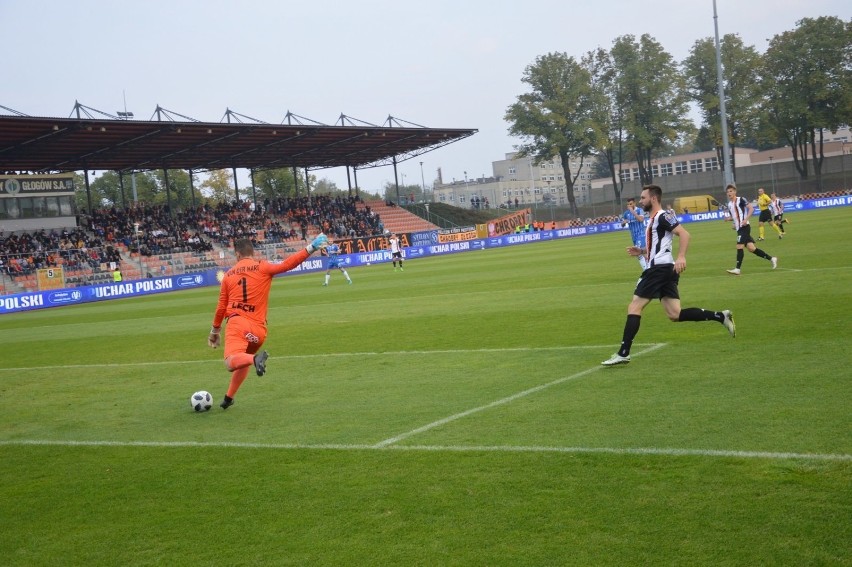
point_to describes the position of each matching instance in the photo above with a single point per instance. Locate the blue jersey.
(637, 228)
(333, 251)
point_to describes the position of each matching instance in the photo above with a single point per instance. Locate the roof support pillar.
(168, 192)
(121, 186)
(253, 190)
(236, 185)
(88, 190)
(295, 182)
(191, 189)
(396, 180)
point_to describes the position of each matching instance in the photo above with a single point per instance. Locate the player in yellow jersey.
(763, 202)
(243, 301)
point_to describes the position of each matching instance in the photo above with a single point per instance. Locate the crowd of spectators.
(23, 254)
(150, 230)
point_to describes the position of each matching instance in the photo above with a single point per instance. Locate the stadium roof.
(51, 145)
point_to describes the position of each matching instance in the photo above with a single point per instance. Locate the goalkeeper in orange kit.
(243, 301)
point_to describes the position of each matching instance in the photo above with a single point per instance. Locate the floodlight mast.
(726, 150)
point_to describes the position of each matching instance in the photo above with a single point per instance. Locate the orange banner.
(507, 224)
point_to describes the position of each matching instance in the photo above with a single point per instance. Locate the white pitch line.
(318, 355)
(636, 451)
(512, 398)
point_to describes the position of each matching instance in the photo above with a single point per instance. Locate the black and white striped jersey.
(739, 212)
(658, 238)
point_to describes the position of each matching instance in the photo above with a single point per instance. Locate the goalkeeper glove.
(318, 243)
(214, 338)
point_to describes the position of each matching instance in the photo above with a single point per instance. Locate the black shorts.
(657, 282)
(765, 216)
(779, 218)
(744, 235)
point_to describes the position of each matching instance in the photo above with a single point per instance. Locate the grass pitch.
(455, 413)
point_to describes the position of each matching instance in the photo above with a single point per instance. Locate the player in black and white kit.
(777, 208)
(740, 212)
(396, 251)
(660, 278)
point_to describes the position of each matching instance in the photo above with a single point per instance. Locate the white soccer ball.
(201, 401)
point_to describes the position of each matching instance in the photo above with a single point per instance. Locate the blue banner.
(423, 244)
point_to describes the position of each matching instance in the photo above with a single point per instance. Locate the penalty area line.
(503, 401)
(627, 451)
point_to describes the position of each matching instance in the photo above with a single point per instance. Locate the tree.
(325, 186)
(558, 117)
(275, 183)
(741, 72)
(806, 80)
(106, 190)
(650, 91)
(406, 192)
(610, 147)
(219, 186)
(178, 192)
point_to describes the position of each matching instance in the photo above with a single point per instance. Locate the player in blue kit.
(333, 251)
(634, 219)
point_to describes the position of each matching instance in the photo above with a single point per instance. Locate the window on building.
(665, 169)
(625, 175)
(711, 164)
(681, 168)
(635, 172)
(66, 206)
(512, 170)
(694, 165)
(655, 171)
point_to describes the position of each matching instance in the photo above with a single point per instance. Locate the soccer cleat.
(260, 362)
(774, 262)
(735, 271)
(780, 236)
(616, 359)
(728, 322)
(759, 239)
(401, 269)
(227, 402)
(325, 284)
(349, 282)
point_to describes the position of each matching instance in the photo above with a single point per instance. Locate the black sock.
(740, 256)
(698, 314)
(631, 327)
(762, 254)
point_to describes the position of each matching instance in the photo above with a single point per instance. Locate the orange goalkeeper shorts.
(242, 335)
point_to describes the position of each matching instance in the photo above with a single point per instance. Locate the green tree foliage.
(611, 142)
(275, 183)
(408, 194)
(741, 65)
(651, 91)
(806, 79)
(106, 191)
(219, 186)
(559, 116)
(177, 194)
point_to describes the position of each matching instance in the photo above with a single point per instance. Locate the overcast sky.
(436, 63)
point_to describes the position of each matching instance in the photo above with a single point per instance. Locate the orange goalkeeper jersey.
(245, 288)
